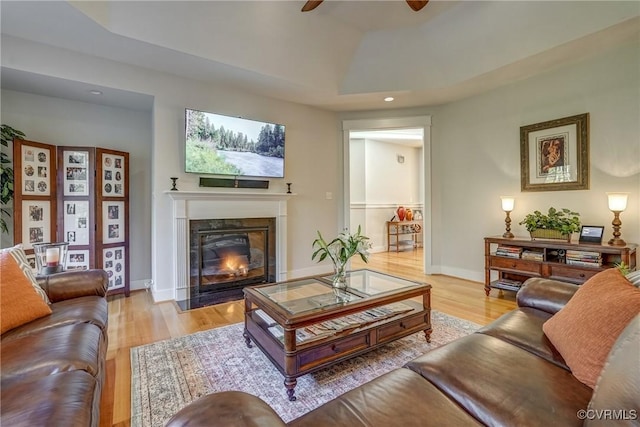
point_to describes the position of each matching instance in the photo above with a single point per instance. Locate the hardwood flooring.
(137, 320)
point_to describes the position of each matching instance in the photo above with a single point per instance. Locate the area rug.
(167, 375)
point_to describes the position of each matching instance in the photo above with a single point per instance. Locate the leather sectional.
(505, 374)
(53, 368)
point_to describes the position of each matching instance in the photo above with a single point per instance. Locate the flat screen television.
(224, 145)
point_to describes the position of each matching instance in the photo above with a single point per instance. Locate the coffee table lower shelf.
(307, 357)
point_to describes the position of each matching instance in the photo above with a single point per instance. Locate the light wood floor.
(137, 320)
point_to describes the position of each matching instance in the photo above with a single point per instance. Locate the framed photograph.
(554, 155)
(591, 234)
(36, 171)
(36, 222)
(76, 177)
(113, 222)
(113, 175)
(114, 264)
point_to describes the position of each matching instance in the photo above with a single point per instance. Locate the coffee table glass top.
(299, 296)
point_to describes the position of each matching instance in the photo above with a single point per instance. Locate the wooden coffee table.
(305, 325)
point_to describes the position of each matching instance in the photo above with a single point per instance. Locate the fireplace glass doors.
(227, 255)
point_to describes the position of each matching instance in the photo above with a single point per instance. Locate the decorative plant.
(624, 268)
(8, 134)
(340, 250)
(563, 220)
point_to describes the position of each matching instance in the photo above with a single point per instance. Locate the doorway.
(389, 126)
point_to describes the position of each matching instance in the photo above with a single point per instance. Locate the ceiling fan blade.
(310, 5)
(416, 4)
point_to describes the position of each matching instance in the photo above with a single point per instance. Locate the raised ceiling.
(345, 55)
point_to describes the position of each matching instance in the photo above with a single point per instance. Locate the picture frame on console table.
(554, 155)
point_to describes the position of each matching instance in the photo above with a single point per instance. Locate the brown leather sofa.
(505, 374)
(53, 367)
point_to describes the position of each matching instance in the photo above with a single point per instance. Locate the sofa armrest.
(226, 409)
(74, 284)
(545, 294)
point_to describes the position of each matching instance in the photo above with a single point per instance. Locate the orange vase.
(401, 213)
(408, 214)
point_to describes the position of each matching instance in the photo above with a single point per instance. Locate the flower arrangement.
(340, 250)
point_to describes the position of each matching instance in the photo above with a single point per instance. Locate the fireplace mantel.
(218, 204)
(227, 195)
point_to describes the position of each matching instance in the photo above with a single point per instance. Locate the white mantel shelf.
(226, 195)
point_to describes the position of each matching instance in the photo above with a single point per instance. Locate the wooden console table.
(305, 325)
(520, 258)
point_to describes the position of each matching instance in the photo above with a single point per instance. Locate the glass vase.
(340, 275)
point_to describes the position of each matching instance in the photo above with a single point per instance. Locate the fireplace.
(230, 210)
(225, 255)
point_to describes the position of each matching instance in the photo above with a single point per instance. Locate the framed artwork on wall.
(554, 155)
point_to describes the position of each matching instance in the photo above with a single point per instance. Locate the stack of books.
(509, 251)
(533, 255)
(584, 258)
(510, 284)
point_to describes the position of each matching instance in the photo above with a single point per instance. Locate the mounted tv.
(224, 145)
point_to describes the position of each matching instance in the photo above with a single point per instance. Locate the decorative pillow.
(586, 328)
(634, 278)
(21, 258)
(20, 303)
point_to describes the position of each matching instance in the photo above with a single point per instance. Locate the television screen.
(225, 145)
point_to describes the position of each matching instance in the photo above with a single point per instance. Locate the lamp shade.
(617, 201)
(507, 203)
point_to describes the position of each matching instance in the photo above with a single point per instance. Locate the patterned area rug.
(167, 375)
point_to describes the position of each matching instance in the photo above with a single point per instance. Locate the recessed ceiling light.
(95, 92)
(388, 99)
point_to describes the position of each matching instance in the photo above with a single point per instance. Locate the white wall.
(476, 154)
(63, 122)
(313, 162)
(379, 184)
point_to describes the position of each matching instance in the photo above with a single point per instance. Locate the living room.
(474, 141)
(481, 133)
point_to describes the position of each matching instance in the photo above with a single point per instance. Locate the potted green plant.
(555, 224)
(6, 171)
(340, 250)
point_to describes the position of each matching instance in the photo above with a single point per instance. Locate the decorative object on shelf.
(408, 214)
(50, 257)
(617, 204)
(591, 234)
(401, 213)
(340, 250)
(173, 183)
(289, 187)
(556, 224)
(555, 154)
(507, 206)
(417, 215)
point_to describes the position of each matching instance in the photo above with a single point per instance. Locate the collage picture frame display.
(36, 222)
(76, 173)
(36, 171)
(113, 228)
(78, 260)
(113, 175)
(76, 222)
(114, 263)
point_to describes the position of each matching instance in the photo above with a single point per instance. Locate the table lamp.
(507, 206)
(617, 204)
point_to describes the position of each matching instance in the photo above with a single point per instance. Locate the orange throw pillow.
(19, 301)
(585, 329)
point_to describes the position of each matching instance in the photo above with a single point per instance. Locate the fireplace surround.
(222, 206)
